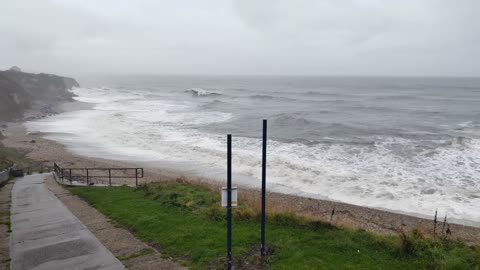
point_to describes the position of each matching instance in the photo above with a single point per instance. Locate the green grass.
(186, 222)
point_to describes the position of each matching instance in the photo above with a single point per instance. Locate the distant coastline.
(20, 91)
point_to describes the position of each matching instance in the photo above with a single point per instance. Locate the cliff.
(14, 99)
(20, 90)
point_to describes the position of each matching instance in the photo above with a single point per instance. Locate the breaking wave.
(200, 92)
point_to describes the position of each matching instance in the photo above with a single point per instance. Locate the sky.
(242, 37)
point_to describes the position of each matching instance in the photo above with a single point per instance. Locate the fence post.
(109, 177)
(136, 177)
(70, 176)
(87, 176)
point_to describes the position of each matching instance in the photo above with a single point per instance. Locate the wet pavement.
(46, 235)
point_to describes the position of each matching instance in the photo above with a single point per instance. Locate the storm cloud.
(268, 37)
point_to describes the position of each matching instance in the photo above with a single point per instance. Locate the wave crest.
(200, 92)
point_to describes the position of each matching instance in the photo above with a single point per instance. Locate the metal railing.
(92, 176)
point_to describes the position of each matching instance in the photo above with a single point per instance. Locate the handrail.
(63, 173)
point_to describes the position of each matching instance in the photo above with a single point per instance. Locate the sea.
(405, 144)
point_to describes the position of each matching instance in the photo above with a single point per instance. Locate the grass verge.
(186, 222)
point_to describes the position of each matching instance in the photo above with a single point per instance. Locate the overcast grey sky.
(277, 37)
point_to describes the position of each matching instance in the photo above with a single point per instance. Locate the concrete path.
(46, 235)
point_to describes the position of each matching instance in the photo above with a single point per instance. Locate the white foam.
(202, 92)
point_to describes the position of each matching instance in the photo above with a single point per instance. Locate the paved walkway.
(46, 235)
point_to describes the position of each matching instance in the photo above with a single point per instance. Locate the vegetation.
(10, 156)
(187, 223)
(4, 164)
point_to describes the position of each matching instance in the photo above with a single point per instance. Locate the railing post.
(87, 176)
(136, 177)
(109, 177)
(70, 176)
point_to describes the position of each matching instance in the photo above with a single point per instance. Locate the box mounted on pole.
(234, 196)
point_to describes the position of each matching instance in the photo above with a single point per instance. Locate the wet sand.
(344, 215)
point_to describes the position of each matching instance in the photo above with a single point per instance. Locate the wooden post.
(109, 177)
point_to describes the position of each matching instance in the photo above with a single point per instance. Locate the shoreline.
(381, 221)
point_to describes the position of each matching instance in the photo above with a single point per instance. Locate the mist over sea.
(404, 144)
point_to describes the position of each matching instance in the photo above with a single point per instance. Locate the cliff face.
(14, 99)
(19, 90)
(43, 86)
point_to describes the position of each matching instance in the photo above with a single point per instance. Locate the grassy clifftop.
(187, 223)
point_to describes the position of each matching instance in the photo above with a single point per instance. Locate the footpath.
(46, 235)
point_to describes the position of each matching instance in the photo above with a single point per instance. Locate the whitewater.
(409, 145)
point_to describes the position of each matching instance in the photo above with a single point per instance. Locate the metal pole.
(87, 177)
(264, 184)
(229, 201)
(70, 176)
(109, 177)
(136, 177)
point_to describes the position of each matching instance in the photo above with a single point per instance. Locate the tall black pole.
(229, 201)
(264, 184)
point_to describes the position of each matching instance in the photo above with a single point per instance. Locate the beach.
(346, 215)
